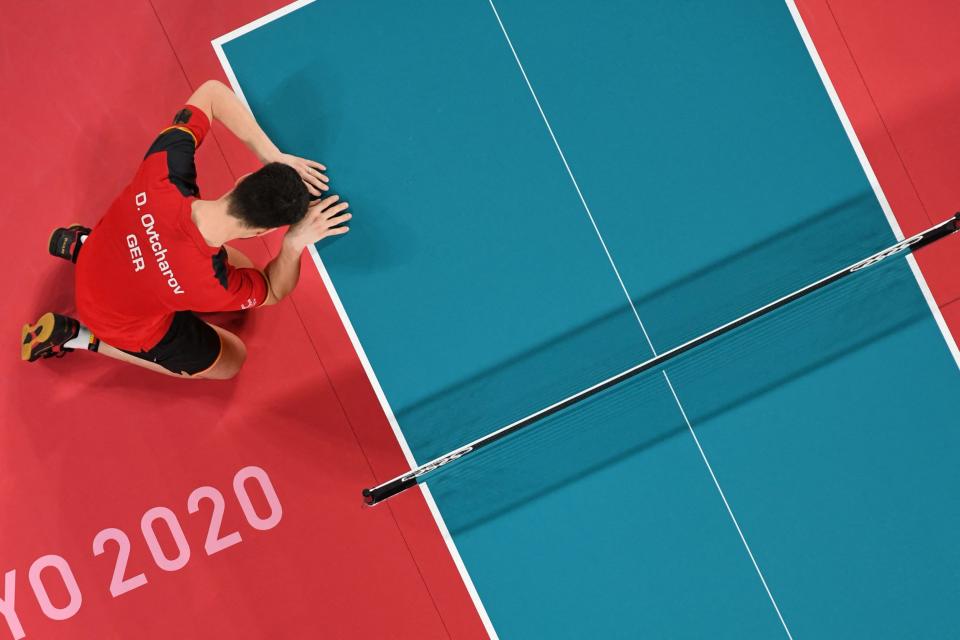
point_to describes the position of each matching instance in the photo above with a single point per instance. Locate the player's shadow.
(375, 241)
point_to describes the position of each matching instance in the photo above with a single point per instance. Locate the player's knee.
(231, 369)
(232, 357)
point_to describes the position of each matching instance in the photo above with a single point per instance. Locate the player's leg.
(225, 365)
(233, 354)
(191, 348)
(117, 354)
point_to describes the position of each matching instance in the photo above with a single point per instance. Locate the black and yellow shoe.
(46, 337)
(65, 242)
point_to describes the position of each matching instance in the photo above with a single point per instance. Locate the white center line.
(636, 315)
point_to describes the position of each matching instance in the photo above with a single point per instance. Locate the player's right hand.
(325, 217)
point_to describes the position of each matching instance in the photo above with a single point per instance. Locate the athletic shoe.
(65, 242)
(46, 337)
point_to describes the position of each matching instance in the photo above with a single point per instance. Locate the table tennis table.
(546, 193)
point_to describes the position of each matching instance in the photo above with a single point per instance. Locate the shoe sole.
(34, 334)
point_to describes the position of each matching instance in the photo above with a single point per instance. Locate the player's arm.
(324, 218)
(218, 102)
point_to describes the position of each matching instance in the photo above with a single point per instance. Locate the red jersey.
(146, 260)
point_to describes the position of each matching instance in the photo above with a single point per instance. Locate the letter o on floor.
(69, 581)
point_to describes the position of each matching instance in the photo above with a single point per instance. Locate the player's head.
(273, 196)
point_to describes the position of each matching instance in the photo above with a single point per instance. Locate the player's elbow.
(213, 84)
(273, 297)
(206, 95)
(210, 87)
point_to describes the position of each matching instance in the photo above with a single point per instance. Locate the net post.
(379, 493)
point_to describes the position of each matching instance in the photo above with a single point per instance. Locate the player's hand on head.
(311, 172)
(325, 217)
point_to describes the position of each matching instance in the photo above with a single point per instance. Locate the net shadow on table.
(691, 305)
(633, 418)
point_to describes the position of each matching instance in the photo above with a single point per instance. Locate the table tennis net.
(764, 347)
(577, 354)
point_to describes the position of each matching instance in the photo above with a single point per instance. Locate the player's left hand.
(311, 172)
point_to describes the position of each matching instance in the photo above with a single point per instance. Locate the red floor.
(86, 444)
(894, 66)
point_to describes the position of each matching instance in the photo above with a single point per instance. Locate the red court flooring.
(87, 444)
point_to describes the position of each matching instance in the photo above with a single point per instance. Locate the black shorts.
(189, 346)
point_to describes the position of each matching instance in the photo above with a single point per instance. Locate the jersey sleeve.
(233, 289)
(179, 142)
